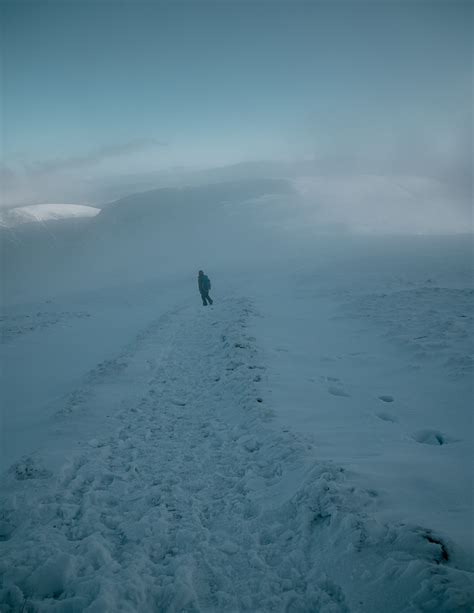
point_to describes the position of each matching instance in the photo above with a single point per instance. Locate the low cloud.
(97, 156)
(64, 179)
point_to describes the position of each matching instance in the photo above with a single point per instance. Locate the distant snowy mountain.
(44, 212)
(161, 231)
(176, 229)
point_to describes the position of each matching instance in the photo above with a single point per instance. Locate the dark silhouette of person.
(204, 286)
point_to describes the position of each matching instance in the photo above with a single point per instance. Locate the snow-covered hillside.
(157, 233)
(44, 212)
(303, 445)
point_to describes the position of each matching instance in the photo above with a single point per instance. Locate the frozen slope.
(51, 346)
(374, 357)
(303, 445)
(194, 499)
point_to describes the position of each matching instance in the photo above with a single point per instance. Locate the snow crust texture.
(435, 324)
(194, 500)
(12, 326)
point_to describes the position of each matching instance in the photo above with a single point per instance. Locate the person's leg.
(209, 298)
(203, 298)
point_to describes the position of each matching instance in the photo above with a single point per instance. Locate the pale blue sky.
(210, 83)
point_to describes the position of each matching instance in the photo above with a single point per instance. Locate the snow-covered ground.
(303, 445)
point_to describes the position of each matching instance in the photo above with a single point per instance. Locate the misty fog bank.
(355, 194)
(100, 186)
(231, 227)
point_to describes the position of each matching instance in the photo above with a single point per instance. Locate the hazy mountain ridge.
(142, 234)
(181, 227)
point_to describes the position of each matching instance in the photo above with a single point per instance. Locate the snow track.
(194, 501)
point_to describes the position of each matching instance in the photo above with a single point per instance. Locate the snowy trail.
(195, 501)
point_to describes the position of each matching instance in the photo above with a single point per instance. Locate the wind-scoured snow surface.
(193, 501)
(303, 445)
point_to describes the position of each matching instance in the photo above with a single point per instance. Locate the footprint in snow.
(6, 531)
(28, 468)
(386, 398)
(338, 391)
(335, 386)
(387, 417)
(329, 379)
(432, 437)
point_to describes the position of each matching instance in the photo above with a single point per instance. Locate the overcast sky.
(128, 85)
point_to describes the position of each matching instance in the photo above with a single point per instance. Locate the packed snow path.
(194, 501)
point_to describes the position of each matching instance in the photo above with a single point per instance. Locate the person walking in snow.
(204, 286)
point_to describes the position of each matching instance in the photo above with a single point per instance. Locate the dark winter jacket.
(204, 283)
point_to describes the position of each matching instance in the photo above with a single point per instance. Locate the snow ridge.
(194, 501)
